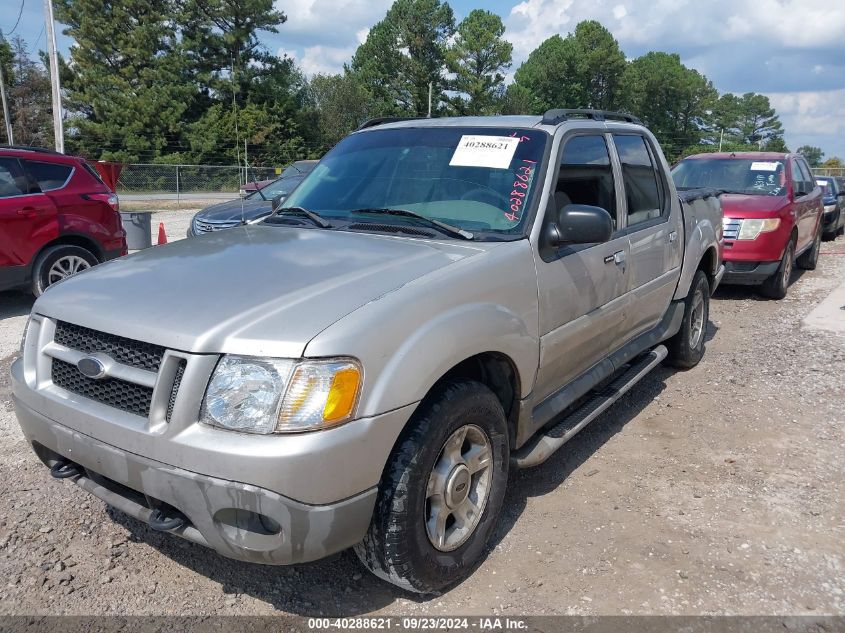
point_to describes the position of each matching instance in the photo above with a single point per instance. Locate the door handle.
(27, 211)
(673, 236)
(619, 257)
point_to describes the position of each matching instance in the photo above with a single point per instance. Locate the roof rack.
(30, 148)
(559, 115)
(386, 119)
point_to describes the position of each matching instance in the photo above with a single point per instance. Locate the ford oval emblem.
(91, 367)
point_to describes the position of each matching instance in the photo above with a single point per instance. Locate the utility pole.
(721, 136)
(58, 125)
(6, 118)
(430, 86)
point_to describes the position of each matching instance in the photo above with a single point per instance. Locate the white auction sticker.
(761, 166)
(495, 152)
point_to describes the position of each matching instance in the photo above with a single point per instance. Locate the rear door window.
(643, 189)
(50, 176)
(13, 180)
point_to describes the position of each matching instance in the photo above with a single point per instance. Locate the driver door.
(582, 288)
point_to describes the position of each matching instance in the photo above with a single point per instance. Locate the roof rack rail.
(30, 148)
(559, 115)
(386, 119)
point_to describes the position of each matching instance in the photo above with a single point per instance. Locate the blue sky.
(791, 50)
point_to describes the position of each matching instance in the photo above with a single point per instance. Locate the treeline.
(189, 81)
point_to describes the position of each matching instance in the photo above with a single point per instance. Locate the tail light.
(110, 199)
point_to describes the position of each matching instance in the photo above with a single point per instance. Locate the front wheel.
(441, 492)
(775, 286)
(687, 346)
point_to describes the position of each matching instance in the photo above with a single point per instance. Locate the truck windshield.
(478, 179)
(735, 175)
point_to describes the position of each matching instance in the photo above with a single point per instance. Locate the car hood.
(232, 209)
(253, 290)
(736, 205)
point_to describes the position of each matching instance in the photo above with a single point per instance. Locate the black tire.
(775, 287)
(687, 346)
(397, 547)
(810, 258)
(43, 278)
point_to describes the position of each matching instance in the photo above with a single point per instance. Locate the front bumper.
(316, 491)
(748, 273)
(227, 516)
(830, 220)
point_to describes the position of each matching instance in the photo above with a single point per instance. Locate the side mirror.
(276, 202)
(579, 224)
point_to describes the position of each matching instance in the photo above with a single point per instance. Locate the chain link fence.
(836, 172)
(180, 179)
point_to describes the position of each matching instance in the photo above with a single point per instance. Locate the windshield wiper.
(320, 221)
(447, 228)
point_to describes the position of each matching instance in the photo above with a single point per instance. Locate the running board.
(541, 448)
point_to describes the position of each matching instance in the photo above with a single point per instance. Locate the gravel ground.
(718, 490)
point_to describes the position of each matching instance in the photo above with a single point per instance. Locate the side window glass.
(808, 176)
(13, 181)
(585, 175)
(797, 177)
(48, 175)
(642, 188)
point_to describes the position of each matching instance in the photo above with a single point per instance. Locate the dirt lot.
(717, 490)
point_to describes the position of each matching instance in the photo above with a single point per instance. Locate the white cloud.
(329, 22)
(813, 118)
(324, 59)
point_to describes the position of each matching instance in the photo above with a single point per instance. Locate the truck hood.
(736, 205)
(253, 290)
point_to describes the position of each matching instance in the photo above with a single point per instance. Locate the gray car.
(252, 207)
(440, 300)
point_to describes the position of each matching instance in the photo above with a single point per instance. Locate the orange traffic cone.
(162, 236)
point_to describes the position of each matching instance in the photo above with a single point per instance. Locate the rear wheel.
(441, 492)
(57, 263)
(687, 346)
(775, 286)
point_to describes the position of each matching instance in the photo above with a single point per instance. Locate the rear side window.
(642, 185)
(13, 180)
(49, 176)
(585, 175)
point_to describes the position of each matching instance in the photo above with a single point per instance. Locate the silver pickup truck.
(440, 300)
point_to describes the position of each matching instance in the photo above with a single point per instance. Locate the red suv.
(57, 218)
(773, 210)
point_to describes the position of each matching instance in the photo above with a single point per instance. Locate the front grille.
(180, 371)
(208, 226)
(114, 392)
(730, 228)
(123, 350)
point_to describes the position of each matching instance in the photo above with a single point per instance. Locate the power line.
(18, 21)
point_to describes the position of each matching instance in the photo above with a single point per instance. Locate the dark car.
(833, 223)
(57, 218)
(254, 206)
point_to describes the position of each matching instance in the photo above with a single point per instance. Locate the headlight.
(281, 396)
(750, 229)
(829, 208)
